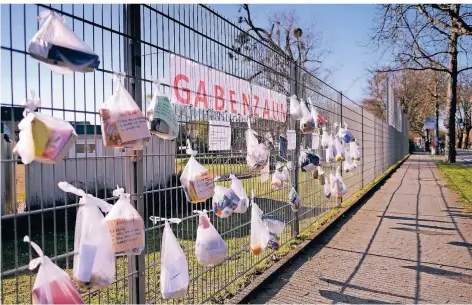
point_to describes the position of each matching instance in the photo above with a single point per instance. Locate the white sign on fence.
(205, 88)
(291, 140)
(219, 137)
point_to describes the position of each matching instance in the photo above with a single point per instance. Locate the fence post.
(362, 146)
(136, 264)
(294, 82)
(339, 97)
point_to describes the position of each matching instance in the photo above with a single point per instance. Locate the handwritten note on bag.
(126, 234)
(164, 111)
(132, 125)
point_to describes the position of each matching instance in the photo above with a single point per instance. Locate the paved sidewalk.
(410, 242)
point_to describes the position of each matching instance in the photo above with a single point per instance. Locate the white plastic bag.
(307, 122)
(94, 258)
(338, 188)
(331, 150)
(345, 134)
(257, 153)
(161, 115)
(340, 155)
(319, 119)
(327, 189)
(224, 201)
(260, 233)
(295, 110)
(174, 267)
(278, 177)
(308, 161)
(325, 139)
(43, 138)
(210, 248)
(321, 175)
(347, 163)
(122, 122)
(196, 180)
(294, 199)
(276, 227)
(237, 187)
(52, 284)
(126, 226)
(354, 149)
(315, 141)
(56, 45)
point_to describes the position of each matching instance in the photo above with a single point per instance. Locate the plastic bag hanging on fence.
(161, 115)
(347, 163)
(321, 175)
(295, 109)
(210, 248)
(260, 234)
(122, 122)
(257, 153)
(315, 141)
(276, 227)
(338, 188)
(94, 258)
(224, 201)
(354, 149)
(126, 225)
(331, 150)
(319, 119)
(197, 183)
(294, 199)
(325, 139)
(340, 154)
(307, 122)
(237, 187)
(57, 46)
(52, 284)
(42, 138)
(278, 177)
(327, 188)
(345, 134)
(174, 267)
(308, 161)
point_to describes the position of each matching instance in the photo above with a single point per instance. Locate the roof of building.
(16, 112)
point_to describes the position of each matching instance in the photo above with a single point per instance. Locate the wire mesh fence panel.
(221, 80)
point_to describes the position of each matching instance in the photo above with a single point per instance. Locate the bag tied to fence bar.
(126, 226)
(43, 138)
(52, 284)
(57, 46)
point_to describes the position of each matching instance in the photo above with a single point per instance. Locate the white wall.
(108, 167)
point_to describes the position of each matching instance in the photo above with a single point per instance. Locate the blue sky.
(344, 29)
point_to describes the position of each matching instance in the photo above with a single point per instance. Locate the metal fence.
(140, 40)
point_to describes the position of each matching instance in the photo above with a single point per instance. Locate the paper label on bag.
(132, 125)
(126, 234)
(203, 185)
(164, 111)
(291, 139)
(86, 259)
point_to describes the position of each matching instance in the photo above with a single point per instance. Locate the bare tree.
(421, 93)
(464, 98)
(273, 50)
(428, 37)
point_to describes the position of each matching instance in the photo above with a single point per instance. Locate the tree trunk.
(451, 101)
(466, 138)
(436, 133)
(460, 136)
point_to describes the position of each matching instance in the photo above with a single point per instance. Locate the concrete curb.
(258, 284)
